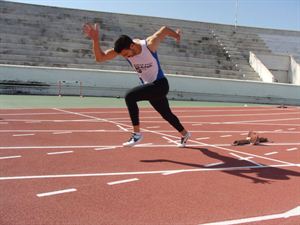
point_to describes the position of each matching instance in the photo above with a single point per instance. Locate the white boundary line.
(292, 149)
(122, 181)
(22, 135)
(290, 213)
(11, 157)
(122, 128)
(146, 145)
(105, 148)
(58, 153)
(271, 153)
(246, 159)
(143, 172)
(170, 140)
(63, 132)
(56, 192)
(168, 131)
(172, 136)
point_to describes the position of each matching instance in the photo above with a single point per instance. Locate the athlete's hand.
(91, 31)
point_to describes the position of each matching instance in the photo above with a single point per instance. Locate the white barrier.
(116, 83)
(294, 71)
(260, 68)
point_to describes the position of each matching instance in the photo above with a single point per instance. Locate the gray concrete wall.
(113, 83)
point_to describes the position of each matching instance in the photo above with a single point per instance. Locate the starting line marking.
(203, 138)
(214, 164)
(290, 213)
(63, 132)
(122, 181)
(104, 148)
(170, 140)
(246, 159)
(57, 153)
(292, 149)
(122, 128)
(228, 135)
(153, 127)
(56, 192)
(271, 153)
(140, 145)
(11, 157)
(21, 135)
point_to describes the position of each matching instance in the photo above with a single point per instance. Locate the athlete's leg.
(163, 108)
(149, 92)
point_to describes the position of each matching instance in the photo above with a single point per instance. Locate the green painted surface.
(35, 101)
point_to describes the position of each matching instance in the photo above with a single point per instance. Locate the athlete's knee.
(129, 97)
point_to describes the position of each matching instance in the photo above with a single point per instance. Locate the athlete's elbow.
(98, 58)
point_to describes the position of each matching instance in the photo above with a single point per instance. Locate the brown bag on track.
(252, 138)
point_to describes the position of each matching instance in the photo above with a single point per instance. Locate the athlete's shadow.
(261, 173)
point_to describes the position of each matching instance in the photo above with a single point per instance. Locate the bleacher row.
(49, 36)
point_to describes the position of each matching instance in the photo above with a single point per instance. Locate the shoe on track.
(134, 139)
(184, 139)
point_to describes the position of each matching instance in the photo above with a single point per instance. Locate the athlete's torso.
(146, 64)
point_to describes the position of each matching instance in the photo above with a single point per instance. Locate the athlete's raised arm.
(92, 32)
(154, 40)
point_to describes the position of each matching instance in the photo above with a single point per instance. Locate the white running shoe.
(184, 140)
(135, 138)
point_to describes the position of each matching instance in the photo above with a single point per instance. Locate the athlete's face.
(127, 53)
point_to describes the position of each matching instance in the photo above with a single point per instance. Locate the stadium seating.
(49, 36)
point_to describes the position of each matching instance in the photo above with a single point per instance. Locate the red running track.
(67, 167)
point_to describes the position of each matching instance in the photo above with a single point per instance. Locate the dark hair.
(123, 42)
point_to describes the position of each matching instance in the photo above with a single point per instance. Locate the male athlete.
(142, 56)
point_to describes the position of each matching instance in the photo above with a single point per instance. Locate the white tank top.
(146, 64)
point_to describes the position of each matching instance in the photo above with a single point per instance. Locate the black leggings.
(155, 93)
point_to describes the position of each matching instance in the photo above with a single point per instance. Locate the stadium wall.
(89, 82)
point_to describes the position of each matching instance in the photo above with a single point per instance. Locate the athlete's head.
(124, 45)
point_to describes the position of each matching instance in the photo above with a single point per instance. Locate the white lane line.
(172, 172)
(144, 145)
(33, 121)
(244, 134)
(144, 172)
(58, 153)
(290, 213)
(122, 128)
(246, 159)
(153, 127)
(56, 192)
(11, 157)
(172, 136)
(203, 138)
(228, 135)
(22, 135)
(105, 148)
(292, 149)
(170, 140)
(122, 181)
(63, 132)
(214, 164)
(271, 153)
(167, 131)
(278, 130)
(197, 124)
(292, 129)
